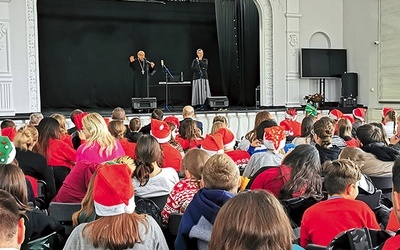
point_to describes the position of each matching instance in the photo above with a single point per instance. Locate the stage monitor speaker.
(350, 85)
(216, 102)
(144, 103)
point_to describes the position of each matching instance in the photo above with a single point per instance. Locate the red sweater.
(240, 157)
(129, 147)
(172, 157)
(189, 144)
(392, 243)
(393, 224)
(60, 153)
(272, 179)
(326, 219)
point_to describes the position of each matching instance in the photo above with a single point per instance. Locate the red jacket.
(172, 157)
(189, 144)
(60, 153)
(129, 147)
(272, 179)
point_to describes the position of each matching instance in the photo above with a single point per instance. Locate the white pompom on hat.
(160, 130)
(359, 113)
(7, 150)
(113, 192)
(336, 114)
(213, 144)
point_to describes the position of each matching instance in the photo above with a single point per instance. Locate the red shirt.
(129, 147)
(240, 157)
(272, 179)
(392, 243)
(393, 224)
(172, 157)
(60, 153)
(189, 144)
(351, 142)
(326, 219)
(67, 138)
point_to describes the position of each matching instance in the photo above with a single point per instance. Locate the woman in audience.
(385, 137)
(250, 228)
(220, 118)
(345, 128)
(118, 130)
(100, 145)
(216, 126)
(298, 176)
(323, 132)
(118, 225)
(58, 154)
(306, 129)
(174, 124)
(389, 123)
(64, 136)
(86, 213)
(183, 191)
(150, 180)
(251, 135)
(37, 224)
(31, 163)
(190, 136)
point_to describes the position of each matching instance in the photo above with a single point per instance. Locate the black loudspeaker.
(350, 85)
(144, 103)
(216, 102)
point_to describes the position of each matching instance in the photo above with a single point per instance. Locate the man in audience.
(326, 219)
(119, 114)
(220, 179)
(8, 128)
(379, 158)
(12, 228)
(188, 113)
(394, 242)
(135, 125)
(156, 114)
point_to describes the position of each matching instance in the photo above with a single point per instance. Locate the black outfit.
(381, 151)
(35, 165)
(146, 129)
(76, 141)
(199, 68)
(141, 75)
(199, 124)
(200, 85)
(134, 136)
(328, 154)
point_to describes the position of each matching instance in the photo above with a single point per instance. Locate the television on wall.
(323, 63)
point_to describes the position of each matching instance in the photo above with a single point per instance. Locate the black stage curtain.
(84, 46)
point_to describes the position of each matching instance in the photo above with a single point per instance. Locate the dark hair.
(11, 212)
(189, 129)
(306, 172)
(324, 129)
(135, 124)
(392, 117)
(48, 128)
(396, 175)
(12, 180)
(263, 125)
(7, 123)
(157, 114)
(220, 118)
(307, 126)
(338, 174)
(148, 150)
(368, 133)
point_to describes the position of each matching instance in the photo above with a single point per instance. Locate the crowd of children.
(107, 165)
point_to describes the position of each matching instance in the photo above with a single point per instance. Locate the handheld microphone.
(147, 61)
(162, 63)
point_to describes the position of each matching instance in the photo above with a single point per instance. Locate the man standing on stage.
(142, 69)
(200, 87)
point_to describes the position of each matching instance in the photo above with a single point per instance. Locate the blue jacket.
(206, 203)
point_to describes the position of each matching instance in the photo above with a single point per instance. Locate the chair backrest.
(63, 212)
(34, 184)
(147, 206)
(372, 200)
(173, 223)
(382, 182)
(295, 208)
(160, 201)
(49, 242)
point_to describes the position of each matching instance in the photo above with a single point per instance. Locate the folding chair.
(62, 212)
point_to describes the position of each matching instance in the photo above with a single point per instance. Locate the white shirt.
(158, 185)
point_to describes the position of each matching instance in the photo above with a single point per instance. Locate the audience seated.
(150, 180)
(379, 158)
(188, 114)
(216, 126)
(189, 135)
(31, 163)
(8, 128)
(259, 222)
(118, 130)
(257, 145)
(34, 119)
(293, 127)
(306, 127)
(183, 191)
(251, 135)
(240, 157)
(174, 124)
(12, 229)
(171, 156)
(156, 114)
(394, 242)
(100, 145)
(73, 131)
(326, 219)
(221, 180)
(323, 132)
(64, 136)
(134, 126)
(118, 225)
(274, 140)
(220, 118)
(359, 118)
(86, 213)
(344, 131)
(389, 121)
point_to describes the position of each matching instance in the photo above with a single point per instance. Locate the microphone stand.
(167, 72)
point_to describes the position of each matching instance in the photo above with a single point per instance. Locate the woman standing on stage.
(201, 87)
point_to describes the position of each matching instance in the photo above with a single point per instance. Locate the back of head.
(221, 172)
(260, 223)
(48, 128)
(73, 113)
(35, 118)
(96, 127)
(118, 114)
(135, 124)
(194, 161)
(324, 129)
(148, 151)
(187, 111)
(7, 123)
(355, 154)
(345, 127)
(189, 129)
(307, 126)
(261, 127)
(220, 118)
(12, 180)
(117, 128)
(368, 133)
(157, 114)
(216, 126)
(338, 174)
(262, 116)
(62, 122)
(26, 137)
(10, 213)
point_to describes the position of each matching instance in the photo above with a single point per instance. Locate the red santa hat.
(274, 138)
(10, 132)
(385, 110)
(335, 114)
(213, 144)
(359, 113)
(7, 150)
(172, 119)
(160, 131)
(348, 117)
(291, 114)
(228, 138)
(78, 120)
(287, 127)
(113, 192)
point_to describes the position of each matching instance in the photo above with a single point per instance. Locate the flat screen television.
(323, 63)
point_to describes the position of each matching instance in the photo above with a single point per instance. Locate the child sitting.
(183, 191)
(221, 181)
(324, 220)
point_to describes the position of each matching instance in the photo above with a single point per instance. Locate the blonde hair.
(62, 121)
(260, 117)
(117, 129)
(26, 137)
(118, 114)
(354, 154)
(260, 223)
(194, 161)
(188, 111)
(216, 126)
(129, 161)
(87, 204)
(35, 118)
(97, 128)
(338, 174)
(345, 127)
(221, 172)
